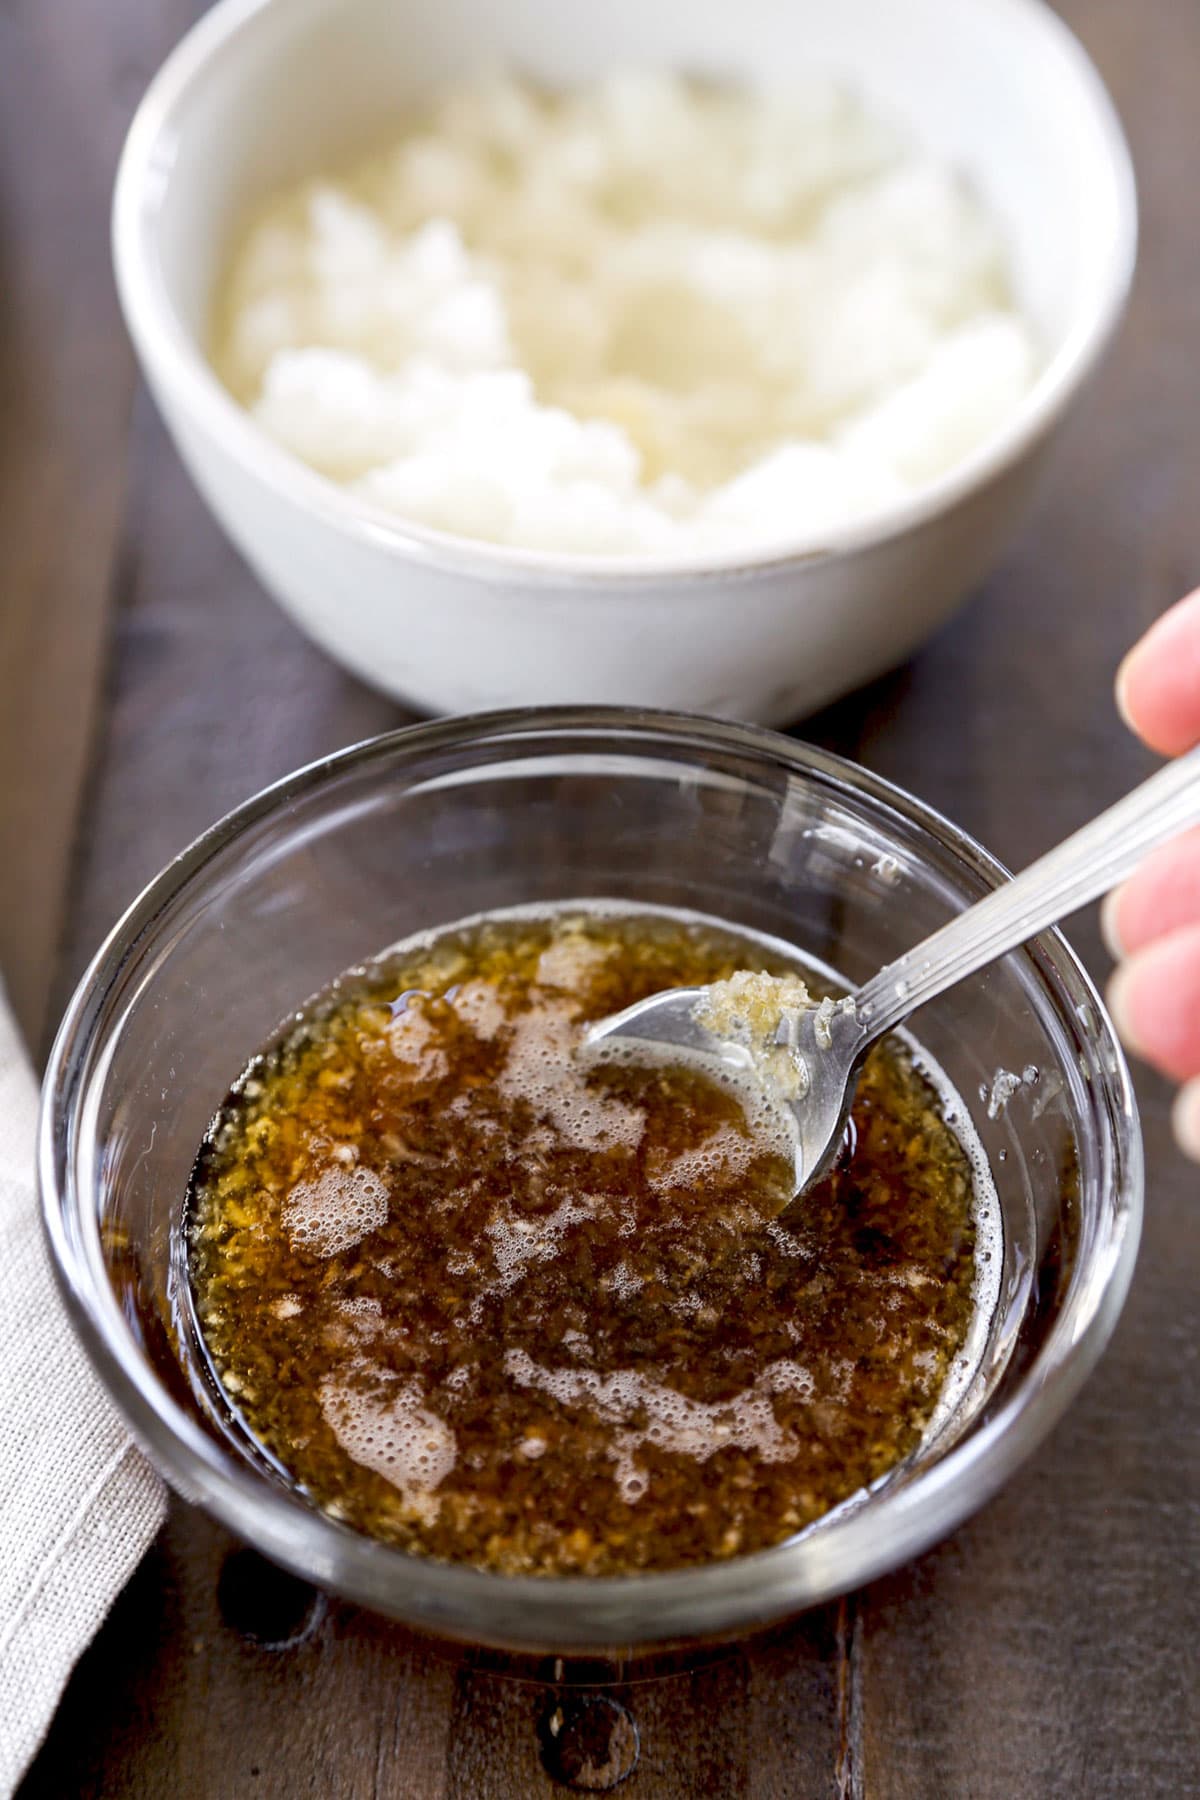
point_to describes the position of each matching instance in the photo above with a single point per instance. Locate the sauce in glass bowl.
(491, 1305)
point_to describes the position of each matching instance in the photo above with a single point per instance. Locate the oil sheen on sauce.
(490, 1305)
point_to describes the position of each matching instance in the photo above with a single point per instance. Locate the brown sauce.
(492, 1307)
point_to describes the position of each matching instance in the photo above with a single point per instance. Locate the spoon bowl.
(826, 1049)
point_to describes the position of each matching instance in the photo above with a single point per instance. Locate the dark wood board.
(1048, 1648)
(66, 380)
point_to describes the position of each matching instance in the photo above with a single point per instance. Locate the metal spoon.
(1089, 863)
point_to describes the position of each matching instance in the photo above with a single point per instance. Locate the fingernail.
(1185, 1120)
(1109, 929)
(1121, 691)
(1117, 998)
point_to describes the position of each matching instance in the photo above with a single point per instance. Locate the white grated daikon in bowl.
(646, 317)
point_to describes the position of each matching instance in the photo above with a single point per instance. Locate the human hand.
(1152, 923)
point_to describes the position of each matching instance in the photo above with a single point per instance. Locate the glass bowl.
(444, 820)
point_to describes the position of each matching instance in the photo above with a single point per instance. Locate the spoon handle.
(1090, 862)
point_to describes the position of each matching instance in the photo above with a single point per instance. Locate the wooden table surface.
(147, 684)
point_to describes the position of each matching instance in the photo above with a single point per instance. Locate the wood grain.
(212, 695)
(1048, 1648)
(67, 76)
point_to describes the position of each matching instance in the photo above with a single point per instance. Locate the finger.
(1162, 896)
(1158, 684)
(1185, 1119)
(1154, 999)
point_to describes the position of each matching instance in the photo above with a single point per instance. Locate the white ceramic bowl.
(262, 92)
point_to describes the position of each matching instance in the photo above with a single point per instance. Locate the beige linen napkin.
(79, 1504)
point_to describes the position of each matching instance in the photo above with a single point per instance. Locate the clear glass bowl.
(430, 824)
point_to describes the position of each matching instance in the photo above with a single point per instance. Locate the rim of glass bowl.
(170, 350)
(577, 1613)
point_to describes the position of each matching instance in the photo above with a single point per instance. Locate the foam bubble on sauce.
(787, 1242)
(364, 1315)
(395, 1436)
(414, 1037)
(674, 1422)
(541, 1070)
(724, 1154)
(624, 1282)
(337, 1210)
(571, 959)
(842, 1370)
(478, 1003)
(518, 1239)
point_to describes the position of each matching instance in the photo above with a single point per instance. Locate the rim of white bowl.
(172, 355)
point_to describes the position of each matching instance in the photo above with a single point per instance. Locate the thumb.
(1158, 684)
